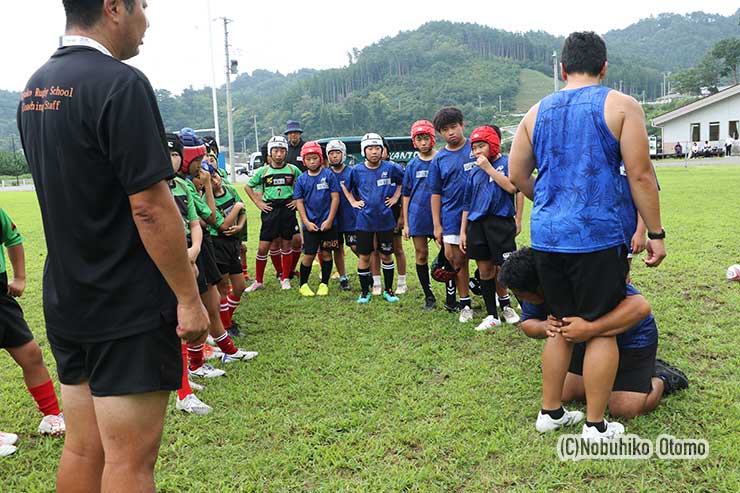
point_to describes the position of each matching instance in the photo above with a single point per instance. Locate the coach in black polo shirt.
(294, 132)
(118, 288)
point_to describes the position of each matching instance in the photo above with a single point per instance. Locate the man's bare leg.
(599, 369)
(622, 404)
(82, 461)
(556, 356)
(130, 449)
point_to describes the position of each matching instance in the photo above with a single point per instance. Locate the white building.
(711, 119)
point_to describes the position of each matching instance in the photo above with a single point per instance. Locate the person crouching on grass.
(375, 187)
(488, 227)
(317, 199)
(641, 380)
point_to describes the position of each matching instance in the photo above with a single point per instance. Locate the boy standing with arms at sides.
(16, 338)
(417, 208)
(488, 227)
(317, 198)
(336, 153)
(373, 193)
(276, 181)
(447, 178)
(576, 138)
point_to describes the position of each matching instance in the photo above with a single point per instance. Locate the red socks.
(184, 389)
(296, 259)
(259, 269)
(276, 261)
(225, 313)
(287, 264)
(233, 303)
(46, 398)
(195, 352)
(225, 344)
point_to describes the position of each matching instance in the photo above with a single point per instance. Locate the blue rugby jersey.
(416, 188)
(484, 197)
(374, 186)
(346, 215)
(316, 194)
(448, 174)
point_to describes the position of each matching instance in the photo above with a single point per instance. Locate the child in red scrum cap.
(488, 226)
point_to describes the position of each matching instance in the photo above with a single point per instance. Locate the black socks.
(555, 413)
(488, 290)
(422, 272)
(601, 426)
(305, 272)
(366, 280)
(388, 270)
(326, 266)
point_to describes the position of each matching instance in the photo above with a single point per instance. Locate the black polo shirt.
(293, 155)
(92, 135)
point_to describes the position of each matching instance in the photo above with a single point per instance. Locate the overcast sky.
(288, 35)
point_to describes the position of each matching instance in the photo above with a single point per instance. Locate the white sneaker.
(6, 450)
(466, 314)
(489, 323)
(192, 405)
(52, 425)
(239, 355)
(254, 287)
(196, 386)
(613, 430)
(545, 423)
(401, 289)
(377, 290)
(8, 438)
(285, 284)
(510, 315)
(207, 371)
(212, 354)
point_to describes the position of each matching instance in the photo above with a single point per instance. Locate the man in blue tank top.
(576, 139)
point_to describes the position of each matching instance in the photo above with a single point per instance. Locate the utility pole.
(555, 71)
(480, 102)
(499, 104)
(256, 138)
(213, 74)
(229, 122)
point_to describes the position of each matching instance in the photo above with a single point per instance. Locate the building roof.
(731, 91)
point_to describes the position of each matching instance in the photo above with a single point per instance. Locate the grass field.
(391, 398)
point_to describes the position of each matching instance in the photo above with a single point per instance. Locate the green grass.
(390, 398)
(533, 86)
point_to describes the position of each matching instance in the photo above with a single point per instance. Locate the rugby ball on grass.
(733, 272)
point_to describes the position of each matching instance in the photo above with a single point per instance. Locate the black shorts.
(634, 373)
(366, 242)
(208, 273)
(146, 362)
(349, 238)
(491, 238)
(228, 255)
(14, 331)
(280, 222)
(586, 285)
(327, 240)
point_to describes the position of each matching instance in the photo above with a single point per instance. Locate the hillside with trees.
(489, 73)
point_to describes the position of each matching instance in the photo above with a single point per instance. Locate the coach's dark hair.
(85, 13)
(519, 271)
(447, 116)
(583, 53)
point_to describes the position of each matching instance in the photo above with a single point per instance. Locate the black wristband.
(657, 236)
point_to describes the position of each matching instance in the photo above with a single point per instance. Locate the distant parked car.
(255, 161)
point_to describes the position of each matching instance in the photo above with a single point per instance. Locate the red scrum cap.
(488, 135)
(312, 147)
(422, 127)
